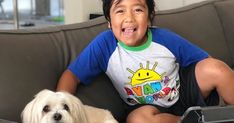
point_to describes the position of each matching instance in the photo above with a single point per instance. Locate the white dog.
(62, 107)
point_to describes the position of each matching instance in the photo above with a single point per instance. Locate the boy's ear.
(109, 24)
(149, 23)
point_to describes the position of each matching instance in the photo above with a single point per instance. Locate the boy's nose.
(129, 17)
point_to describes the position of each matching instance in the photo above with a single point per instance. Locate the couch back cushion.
(30, 61)
(226, 14)
(200, 24)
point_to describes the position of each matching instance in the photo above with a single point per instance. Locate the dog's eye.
(46, 109)
(65, 106)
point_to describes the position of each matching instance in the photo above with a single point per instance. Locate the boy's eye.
(119, 11)
(139, 10)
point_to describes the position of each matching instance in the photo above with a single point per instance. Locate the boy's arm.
(68, 82)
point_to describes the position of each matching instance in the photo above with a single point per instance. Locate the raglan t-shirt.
(146, 74)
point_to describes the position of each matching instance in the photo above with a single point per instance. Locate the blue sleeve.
(184, 51)
(94, 58)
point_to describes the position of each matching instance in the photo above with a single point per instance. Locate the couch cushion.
(79, 35)
(226, 14)
(30, 61)
(102, 94)
(200, 24)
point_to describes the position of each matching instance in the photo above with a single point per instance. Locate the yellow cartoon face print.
(146, 85)
(143, 75)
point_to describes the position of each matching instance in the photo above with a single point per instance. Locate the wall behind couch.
(76, 11)
(79, 10)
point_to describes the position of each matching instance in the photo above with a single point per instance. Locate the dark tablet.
(211, 114)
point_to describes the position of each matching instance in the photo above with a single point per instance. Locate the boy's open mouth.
(128, 31)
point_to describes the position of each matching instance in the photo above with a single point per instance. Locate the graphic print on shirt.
(147, 86)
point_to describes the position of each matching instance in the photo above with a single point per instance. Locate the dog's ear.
(29, 114)
(77, 109)
(32, 112)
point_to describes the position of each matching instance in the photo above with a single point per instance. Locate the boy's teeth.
(128, 30)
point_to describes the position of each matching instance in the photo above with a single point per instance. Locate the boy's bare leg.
(215, 74)
(149, 114)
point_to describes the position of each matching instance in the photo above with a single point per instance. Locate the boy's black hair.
(108, 3)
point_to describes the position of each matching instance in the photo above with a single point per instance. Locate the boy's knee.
(211, 73)
(134, 118)
(211, 67)
(137, 118)
(144, 114)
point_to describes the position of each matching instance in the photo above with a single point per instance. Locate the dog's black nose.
(57, 116)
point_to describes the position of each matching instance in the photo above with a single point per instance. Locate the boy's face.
(129, 21)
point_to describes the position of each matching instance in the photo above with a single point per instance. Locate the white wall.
(73, 11)
(172, 4)
(79, 10)
(76, 11)
(187, 2)
(168, 4)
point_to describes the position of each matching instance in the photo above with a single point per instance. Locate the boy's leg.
(149, 114)
(215, 74)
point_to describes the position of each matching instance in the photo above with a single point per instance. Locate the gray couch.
(34, 59)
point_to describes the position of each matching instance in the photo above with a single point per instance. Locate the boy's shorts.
(190, 95)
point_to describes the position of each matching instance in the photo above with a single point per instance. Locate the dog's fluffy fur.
(62, 107)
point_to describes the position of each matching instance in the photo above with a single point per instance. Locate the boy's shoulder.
(164, 34)
(104, 40)
(106, 34)
(161, 31)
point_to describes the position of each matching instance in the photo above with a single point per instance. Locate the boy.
(156, 72)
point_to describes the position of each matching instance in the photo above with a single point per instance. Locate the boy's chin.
(130, 43)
